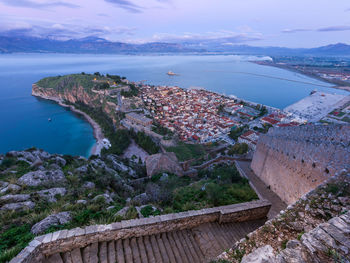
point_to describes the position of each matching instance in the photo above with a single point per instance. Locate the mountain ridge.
(97, 45)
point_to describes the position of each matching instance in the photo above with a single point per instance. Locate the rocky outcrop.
(55, 219)
(38, 178)
(106, 197)
(314, 229)
(14, 198)
(18, 206)
(30, 156)
(260, 255)
(325, 243)
(51, 194)
(9, 188)
(163, 162)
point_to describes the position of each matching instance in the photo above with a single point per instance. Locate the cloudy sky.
(291, 23)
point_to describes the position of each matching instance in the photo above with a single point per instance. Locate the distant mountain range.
(102, 46)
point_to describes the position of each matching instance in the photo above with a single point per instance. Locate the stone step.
(150, 255)
(200, 244)
(191, 245)
(111, 252)
(179, 245)
(120, 251)
(230, 240)
(86, 254)
(156, 250)
(102, 252)
(168, 248)
(127, 251)
(55, 258)
(94, 253)
(177, 253)
(67, 258)
(142, 249)
(135, 251)
(76, 255)
(162, 248)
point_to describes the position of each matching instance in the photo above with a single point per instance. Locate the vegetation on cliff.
(41, 193)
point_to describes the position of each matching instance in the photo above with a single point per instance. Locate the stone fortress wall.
(295, 160)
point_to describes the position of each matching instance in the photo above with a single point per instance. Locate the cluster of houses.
(192, 114)
(278, 119)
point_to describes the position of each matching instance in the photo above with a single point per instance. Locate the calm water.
(24, 119)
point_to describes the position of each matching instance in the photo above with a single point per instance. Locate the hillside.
(42, 193)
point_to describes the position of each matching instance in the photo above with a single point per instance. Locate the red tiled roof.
(269, 120)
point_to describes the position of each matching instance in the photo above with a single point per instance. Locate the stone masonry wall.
(67, 240)
(295, 160)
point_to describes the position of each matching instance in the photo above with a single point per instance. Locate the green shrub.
(7, 163)
(147, 211)
(186, 151)
(239, 148)
(14, 240)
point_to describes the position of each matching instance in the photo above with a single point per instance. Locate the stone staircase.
(198, 244)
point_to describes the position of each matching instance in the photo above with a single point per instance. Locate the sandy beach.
(98, 134)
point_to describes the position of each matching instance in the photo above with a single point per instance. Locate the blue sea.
(24, 119)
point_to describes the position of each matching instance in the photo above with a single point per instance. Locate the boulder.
(84, 202)
(164, 177)
(82, 169)
(260, 255)
(119, 166)
(54, 166)
(14, 198)
(98, 164)
(163, 162)
(23, 156)
(89, 185)
(51, 194)
(38, 178)
(37, 163)
(60, 161)
(122, 212)
(141, 199)
(108, 199)
(10, 188)
(3, 185)
(110, 207)
(19, 206)
(51, 220)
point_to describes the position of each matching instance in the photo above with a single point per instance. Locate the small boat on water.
(49, 119)
(170, 73)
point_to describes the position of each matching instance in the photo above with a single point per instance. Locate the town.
(202, 116)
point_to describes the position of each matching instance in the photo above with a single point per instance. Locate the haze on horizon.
(253, 22)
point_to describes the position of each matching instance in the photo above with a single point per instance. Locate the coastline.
(97, 131)
(334, 84)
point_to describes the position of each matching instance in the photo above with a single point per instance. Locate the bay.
(24, 119)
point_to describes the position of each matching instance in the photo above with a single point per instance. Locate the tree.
(239, 148)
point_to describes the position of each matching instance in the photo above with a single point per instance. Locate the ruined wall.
(295, 160)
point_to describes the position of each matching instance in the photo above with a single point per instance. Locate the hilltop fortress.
(294, 160)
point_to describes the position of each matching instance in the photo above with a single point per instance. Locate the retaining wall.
(67, 240)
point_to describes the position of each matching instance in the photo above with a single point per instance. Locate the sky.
(287, 23)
